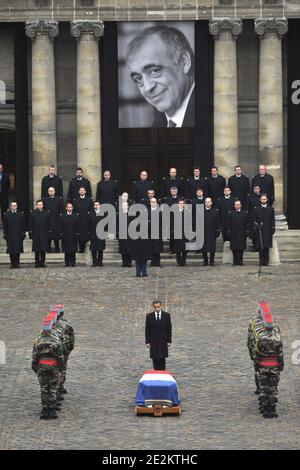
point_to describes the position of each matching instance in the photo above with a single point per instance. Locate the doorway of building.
(156, 151)
(8, 154)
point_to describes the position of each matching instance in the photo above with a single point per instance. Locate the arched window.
(2, 92)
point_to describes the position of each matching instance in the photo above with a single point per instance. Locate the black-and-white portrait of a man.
(156, 74)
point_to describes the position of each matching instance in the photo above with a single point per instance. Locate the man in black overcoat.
(83, 205)
(78, 182)
(39, 233)
(199, 199)
(225, 204)
(240, 186)
(173, 197)
(52, 181)
(253, 201)
(171, 181)
(266, 183)
(211, 232)
(215, 185)
(158, 335)
(179, 241)
(140, 248)
(14, 233)
(54, 205)
(141, 186)
(238, 232)
(196, 182)
(107, 190)
(69, 234)
(124, 243)
(155, 219)
(264, 223)
(4, 190)
(97, 245)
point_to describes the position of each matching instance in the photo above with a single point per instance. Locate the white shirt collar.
(264, 205)
(178, 117)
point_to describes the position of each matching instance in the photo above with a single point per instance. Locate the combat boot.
(52, 413)
(44, 413)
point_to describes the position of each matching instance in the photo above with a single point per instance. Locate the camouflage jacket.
(60, 329)
(47, 345)
(69, 333)
(268, 343)
(254, 324)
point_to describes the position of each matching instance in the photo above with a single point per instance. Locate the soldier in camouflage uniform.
(60, 330)
(47, 361)
(268, 358)
(254, 325)
(70, 343)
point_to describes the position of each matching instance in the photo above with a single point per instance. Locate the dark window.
(42, 3)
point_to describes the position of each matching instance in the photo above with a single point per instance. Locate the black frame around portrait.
(293, 134)
(203, 130)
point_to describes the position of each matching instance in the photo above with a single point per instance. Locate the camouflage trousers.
(64, 370)
(268, 379)
(48, 379)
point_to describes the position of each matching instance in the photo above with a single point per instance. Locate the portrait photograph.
(156, 74)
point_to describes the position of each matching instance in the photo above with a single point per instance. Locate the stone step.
(288, 242)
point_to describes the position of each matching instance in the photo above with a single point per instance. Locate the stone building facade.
(58, 75)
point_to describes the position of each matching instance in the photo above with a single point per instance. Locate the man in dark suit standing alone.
(158, 334)
(4, 190)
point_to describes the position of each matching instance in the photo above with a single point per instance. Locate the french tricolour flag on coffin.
(157, 386)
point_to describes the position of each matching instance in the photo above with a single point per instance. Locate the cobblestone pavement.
(210, 311)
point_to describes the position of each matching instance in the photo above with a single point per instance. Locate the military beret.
(52, 315)
(261, 307)
(47, 325)
(268, 320)
(60, 308)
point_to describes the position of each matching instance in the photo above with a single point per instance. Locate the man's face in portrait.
(163, 80)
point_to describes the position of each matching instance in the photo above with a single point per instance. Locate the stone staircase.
(286, 242)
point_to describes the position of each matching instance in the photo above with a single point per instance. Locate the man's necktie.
(171, 123)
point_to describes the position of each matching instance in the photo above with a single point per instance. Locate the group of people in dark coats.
(237, 210)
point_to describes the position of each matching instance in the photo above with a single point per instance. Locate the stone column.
(88, 98)
(225, 32)
(271, 31)
(42, 34)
